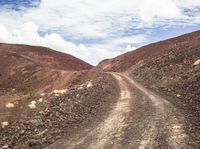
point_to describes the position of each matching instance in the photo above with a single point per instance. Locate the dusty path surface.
(138, 120)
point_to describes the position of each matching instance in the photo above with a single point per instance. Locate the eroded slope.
(25, 66)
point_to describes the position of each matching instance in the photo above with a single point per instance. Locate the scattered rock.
(42, 133)
(81, 87)
(22, 132)
(35, 122)
(197, 62)
(32, 105)
(89, 84)
(173, 69)
(42, 94)
(33, 142)
(10, 105)
(63, 91)
(4, 124)
(60, 115)
(56, 95)
(40, 99)
(5, 147)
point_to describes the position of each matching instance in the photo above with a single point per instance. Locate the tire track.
(161, 127)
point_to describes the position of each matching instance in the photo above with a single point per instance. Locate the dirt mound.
(24, 66)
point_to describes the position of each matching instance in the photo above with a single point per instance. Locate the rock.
(32, 105)
(197, 62)
(41, 133)
(42, 94)
(80, 87)
(56, 95)
(178, 95)
(5, 147)
(22, 132)
(57, 117)
(4, 124)
(36, 122)
(33, 142)
(62, 91)
(40, 99)
(168, 89)
(10, 105)
(89, 84)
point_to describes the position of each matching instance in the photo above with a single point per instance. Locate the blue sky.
(96, 29)
(19, 4)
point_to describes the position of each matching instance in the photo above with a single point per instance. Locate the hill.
(171, 68)
(41, 68)
(152, 100)
(187, 42)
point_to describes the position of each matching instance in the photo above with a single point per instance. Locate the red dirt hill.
(175, 45)
(38, 67)
(170, 68)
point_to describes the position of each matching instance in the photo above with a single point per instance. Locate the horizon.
(154, 42)
(107, 29)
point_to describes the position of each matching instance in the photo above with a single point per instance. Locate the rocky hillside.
(171, 68)
(43, 120)
(24, 66)
(176, 76)
(126, 61)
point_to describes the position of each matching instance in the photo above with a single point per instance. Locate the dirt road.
(138, 120)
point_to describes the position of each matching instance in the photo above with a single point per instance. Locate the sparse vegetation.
(30, 90)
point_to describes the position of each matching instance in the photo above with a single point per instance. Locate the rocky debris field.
(64, 113)
(176, 77)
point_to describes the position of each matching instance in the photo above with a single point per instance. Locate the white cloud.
(130, 48)
(4, 34)
(187, 3)
(28, 34)
(140, 38)
(150, 9)
(93, 20)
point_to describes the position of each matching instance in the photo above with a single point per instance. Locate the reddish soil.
(56, 117)
(41, 68)
(44, 70)
(127, 60)
(167, 68)
(107, 111)
(174, 76)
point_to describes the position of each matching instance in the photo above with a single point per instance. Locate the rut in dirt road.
(111, 128)
(107, 130)
(164, 129)
(138, 120)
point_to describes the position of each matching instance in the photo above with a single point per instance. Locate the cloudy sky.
(95, 29)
